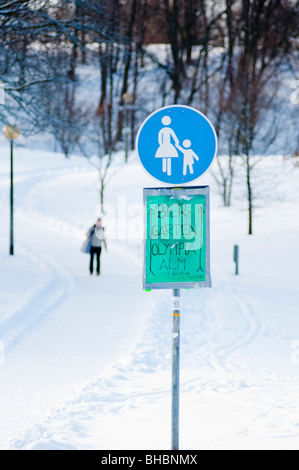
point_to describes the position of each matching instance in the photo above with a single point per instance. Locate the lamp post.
(11, 133)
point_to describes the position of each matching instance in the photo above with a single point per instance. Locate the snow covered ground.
(85, 361)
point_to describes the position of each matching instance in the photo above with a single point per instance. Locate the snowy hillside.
(85, 361)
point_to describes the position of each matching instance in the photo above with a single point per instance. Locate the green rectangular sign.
(177, 238)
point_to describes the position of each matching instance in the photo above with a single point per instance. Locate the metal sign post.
(175, 403)
(176, 145)
(176, 255)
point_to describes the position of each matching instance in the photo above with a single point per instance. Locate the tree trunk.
(231, 177)
(249, 195)
(224, 194)
(102, 187)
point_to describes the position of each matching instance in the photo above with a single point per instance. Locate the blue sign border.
(205, 144)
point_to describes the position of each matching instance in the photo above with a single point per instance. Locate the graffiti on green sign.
(176, 239)
(179, 229)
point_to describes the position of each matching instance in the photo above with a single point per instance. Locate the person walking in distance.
(96, 235)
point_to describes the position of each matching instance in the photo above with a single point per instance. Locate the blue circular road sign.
(176, 144)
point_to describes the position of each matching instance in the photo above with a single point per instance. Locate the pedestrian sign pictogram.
(177, 239)
(176, 144)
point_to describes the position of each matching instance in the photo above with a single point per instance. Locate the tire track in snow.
(50, 294)
(47, 297)
(218, 359)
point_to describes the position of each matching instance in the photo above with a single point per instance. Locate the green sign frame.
(177, 238)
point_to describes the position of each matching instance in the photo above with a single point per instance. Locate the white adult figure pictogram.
(166, 149)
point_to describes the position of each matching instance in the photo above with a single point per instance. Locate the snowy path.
(63, 326)
(88, 360)
(81, 331)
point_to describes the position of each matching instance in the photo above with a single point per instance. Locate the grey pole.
(236, 258)
(176, 311)
(11, 133)
(11, 247)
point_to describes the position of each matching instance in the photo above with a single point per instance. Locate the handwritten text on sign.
(176, 239)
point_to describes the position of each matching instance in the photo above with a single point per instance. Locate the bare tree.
(94, 147)
(256, 50)
(30, 30)
(263, 44)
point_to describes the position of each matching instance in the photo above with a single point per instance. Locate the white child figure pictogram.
(189, 156)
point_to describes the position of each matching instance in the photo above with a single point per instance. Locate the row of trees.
(227, 58)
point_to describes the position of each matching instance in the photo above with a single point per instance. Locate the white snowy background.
(86, 361)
